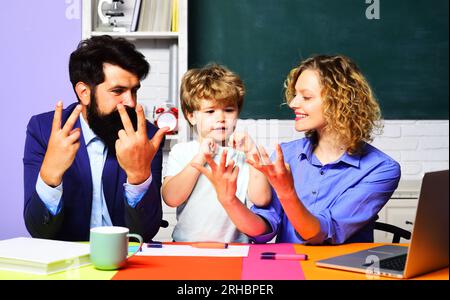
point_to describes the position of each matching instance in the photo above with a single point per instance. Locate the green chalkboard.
(404, 53)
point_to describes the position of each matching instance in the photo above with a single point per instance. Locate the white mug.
(109, 246)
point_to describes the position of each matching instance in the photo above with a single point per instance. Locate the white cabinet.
(165, 51)
(400, 210)
(169, 214)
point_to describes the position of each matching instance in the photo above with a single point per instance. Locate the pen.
(154, 244)
(273, 255)
(211, 245)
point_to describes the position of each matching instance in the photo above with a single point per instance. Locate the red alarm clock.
(166, 115)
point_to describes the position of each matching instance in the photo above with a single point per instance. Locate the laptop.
(428, 250)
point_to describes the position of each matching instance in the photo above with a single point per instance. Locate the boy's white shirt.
(201, 217)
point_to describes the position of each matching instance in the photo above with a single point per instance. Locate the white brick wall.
(422, 146)
(419, 147)
(155, 88)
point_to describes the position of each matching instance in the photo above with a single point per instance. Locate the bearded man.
(97, 162)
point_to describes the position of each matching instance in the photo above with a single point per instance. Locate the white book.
(144, 16)
(166, 15)
(154, 15)
(41, 256)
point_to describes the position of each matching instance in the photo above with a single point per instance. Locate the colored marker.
(211, 245)
(277, 256)
(154, 245)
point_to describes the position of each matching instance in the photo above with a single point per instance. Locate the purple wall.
(37, 38)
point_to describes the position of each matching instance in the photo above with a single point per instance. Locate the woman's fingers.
(210, 162)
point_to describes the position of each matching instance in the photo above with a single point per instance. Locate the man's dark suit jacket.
(72, 223)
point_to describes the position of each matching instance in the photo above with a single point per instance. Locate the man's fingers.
(74, 135)
(117, 146)
(158, 137)
(127, 125)
(122, 134)
(56, 125)
(76, 146)
(141, 121)
(72, 119)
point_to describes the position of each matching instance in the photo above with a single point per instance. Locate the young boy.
(211, 100)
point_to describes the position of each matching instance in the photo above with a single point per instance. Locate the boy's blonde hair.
(349, 106)
(212, 82)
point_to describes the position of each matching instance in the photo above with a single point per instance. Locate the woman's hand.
(278, 174)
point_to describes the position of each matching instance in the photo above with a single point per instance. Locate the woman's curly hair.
(349, 106)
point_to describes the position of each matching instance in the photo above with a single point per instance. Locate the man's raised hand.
(62, 146)
(135, 152)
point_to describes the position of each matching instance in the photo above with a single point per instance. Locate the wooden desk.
(218, 268)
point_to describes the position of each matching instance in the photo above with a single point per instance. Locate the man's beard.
(107, 126)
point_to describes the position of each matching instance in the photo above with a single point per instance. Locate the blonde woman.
(329, 186)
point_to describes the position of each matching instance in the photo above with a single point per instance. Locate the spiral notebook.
(42, 256)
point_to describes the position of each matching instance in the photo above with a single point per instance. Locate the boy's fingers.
(127, 125)
(56, 125)
(202, 170)
(72, 120)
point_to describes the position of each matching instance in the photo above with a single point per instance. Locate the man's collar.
(88, 134)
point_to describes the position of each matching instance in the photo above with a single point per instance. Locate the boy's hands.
(222, 177)
(208, 147)
(62, 147)
(135, 152)
(243, 142)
